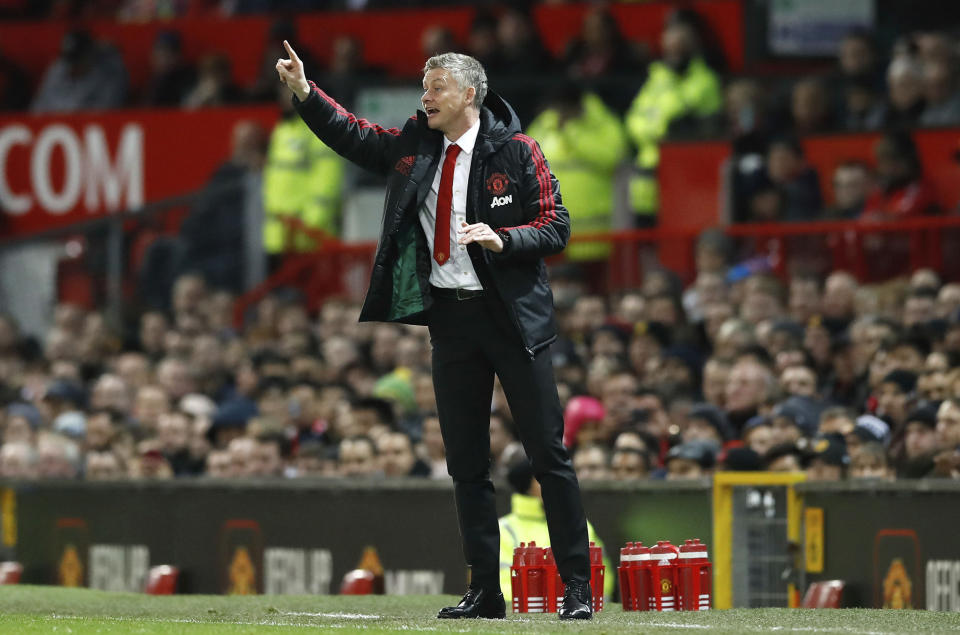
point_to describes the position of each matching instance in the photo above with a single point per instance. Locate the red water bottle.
(536, 581)
(597, 572)
(695, 576)
(640, 577)
(664, 558)
(517, 575)
(554, 583)
(624, 573)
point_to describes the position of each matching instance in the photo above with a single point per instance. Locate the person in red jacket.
(901, 190)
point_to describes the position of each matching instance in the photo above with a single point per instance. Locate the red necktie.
(441, 233)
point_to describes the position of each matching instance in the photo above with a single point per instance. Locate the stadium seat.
(162, 580)
(10, 572)
(824, 595)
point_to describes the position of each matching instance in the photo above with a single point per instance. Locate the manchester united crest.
(497, 183)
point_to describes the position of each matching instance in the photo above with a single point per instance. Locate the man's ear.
(470, 93)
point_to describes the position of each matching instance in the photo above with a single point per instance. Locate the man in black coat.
(471, 211)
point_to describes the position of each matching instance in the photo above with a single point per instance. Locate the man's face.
(868, 465)
(443, 100)
(715, 382)
(850, 186)
(760, 439)
(356, 458)
(920, 439)
(918, 310)
(799, 380)
(948, 426)
(590, 465)
(697, 429)
(267, 459)
(681, 469)
(618, 395)
(785, 431)
(785, 463)
(628, 465)
(819, 470)
(396, 455)
(745, 387)
(173, 432)
(892, 402)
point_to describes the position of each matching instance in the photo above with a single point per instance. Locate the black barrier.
(895, 545)
(294, 536)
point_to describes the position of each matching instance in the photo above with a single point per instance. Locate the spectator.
(680, 88)
(482, 42)
(905, 97)
(584, 142)
(827, 459)
(591, 463)
(706, 422)
(214, 85)
(871, 463)
(749, 386)
(901, 191)
(302, 180)
(810, 107)
(920, 442)
(600, 49)
(863, 105)
(18, 460)
(170, 75)
(264, 87)
(630, 464)
(691, 460)
(758, 435)
(783, 457)
(790, 190)
(87, 75)
(851, 186)
(436, 40)
(941, 93)
(432, 450)
(358, 457)
(215, 235)
(396, 456)
(103, 466)
(869, 429)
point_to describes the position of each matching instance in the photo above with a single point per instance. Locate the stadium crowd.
(836, 378)
(740, 370)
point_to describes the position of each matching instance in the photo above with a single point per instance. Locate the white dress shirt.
(457, 272)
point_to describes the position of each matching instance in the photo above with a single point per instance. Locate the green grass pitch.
(34, 609)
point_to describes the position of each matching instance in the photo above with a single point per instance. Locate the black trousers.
(470, 345)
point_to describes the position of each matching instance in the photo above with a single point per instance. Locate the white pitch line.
(346, 616)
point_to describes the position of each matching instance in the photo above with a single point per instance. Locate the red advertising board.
(61, 169)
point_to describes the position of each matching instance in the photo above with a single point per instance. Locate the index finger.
(290, 51)
(465, 228)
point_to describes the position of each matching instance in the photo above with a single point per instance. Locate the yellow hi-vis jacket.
(665, 96)
(302, 178)
(583, 155)
(527, 522)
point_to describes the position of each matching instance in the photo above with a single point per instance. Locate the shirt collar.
(466, 141)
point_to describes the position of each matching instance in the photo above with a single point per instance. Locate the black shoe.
(577, 601)
(486, 603)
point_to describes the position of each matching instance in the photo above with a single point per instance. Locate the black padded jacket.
(510, 188)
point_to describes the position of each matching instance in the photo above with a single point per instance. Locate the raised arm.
(368, 145)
